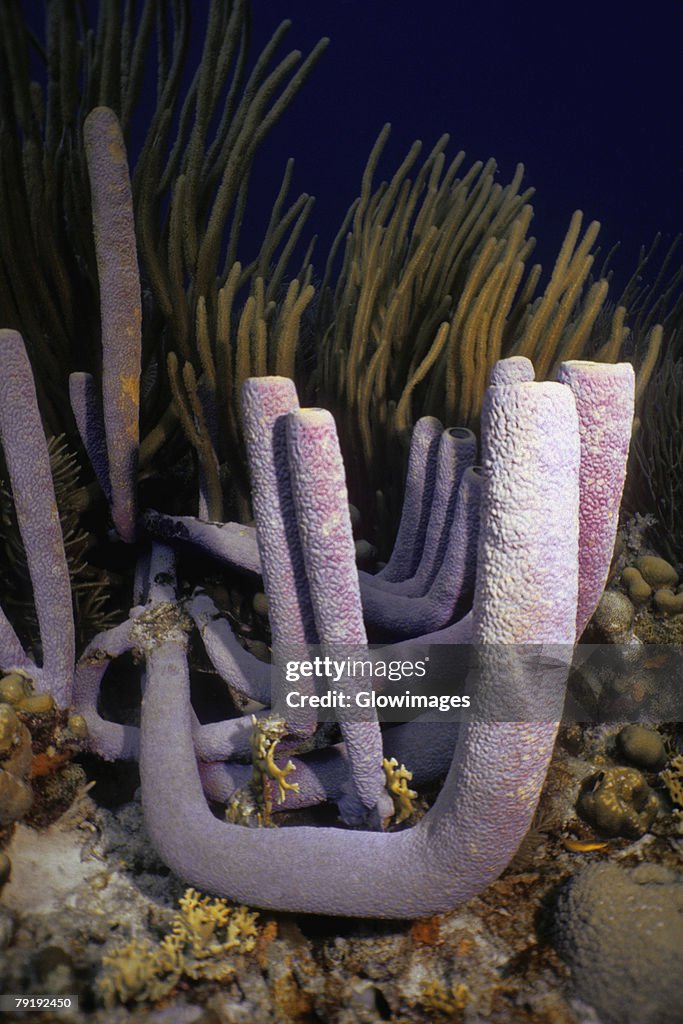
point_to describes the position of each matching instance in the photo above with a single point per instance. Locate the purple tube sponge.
(528, 547)
(318, 483)
(457, 451)
(513, 370)
(526, 593)
(120, 308)
(417, 501)
(321, 502)
(531, 460)
(604, 396)
(87, 410)
(231, 543)
(265, 404)
(111, 740)
(451, 591)
(28, 463)
(461, 845)
(239, 668)
(324, 775)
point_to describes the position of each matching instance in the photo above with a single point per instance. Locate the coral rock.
(618, 802)
(668, 603)
(614, 615)
(621, 932)
(638, 590)
(15, 798)
(657, 571)
(9, 729)
(14, 687)
(642, 747)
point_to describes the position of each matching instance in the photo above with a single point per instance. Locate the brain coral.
(621, 932)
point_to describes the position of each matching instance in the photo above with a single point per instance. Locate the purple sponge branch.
(528, 547)
(238, 667)
(457, 452)
(12, 654)
(231, 738)
(120, 307)
(513, 370)
(318, 483)
(324, 775)
(114, 741)
(527, 585)
(28, 464)
(231, 543)
(604, 396)
(111, 740)
(320, 498)
(87, 410)
(452, 589)
(265, 403)
(417, 501)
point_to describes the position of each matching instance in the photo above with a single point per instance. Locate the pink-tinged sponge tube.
(604, 394)
(527, 577)
(265, 404)
(322, 511)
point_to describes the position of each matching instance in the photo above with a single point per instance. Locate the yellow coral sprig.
(202, 933)
(265, 737)
(672, 778)
(397, 779)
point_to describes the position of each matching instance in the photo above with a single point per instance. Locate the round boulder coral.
(642, 747)
(638, 590)
(618, 802)
(613, 617)
(657, 571)
(14, 687)
(621, 932)
(669, 603)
